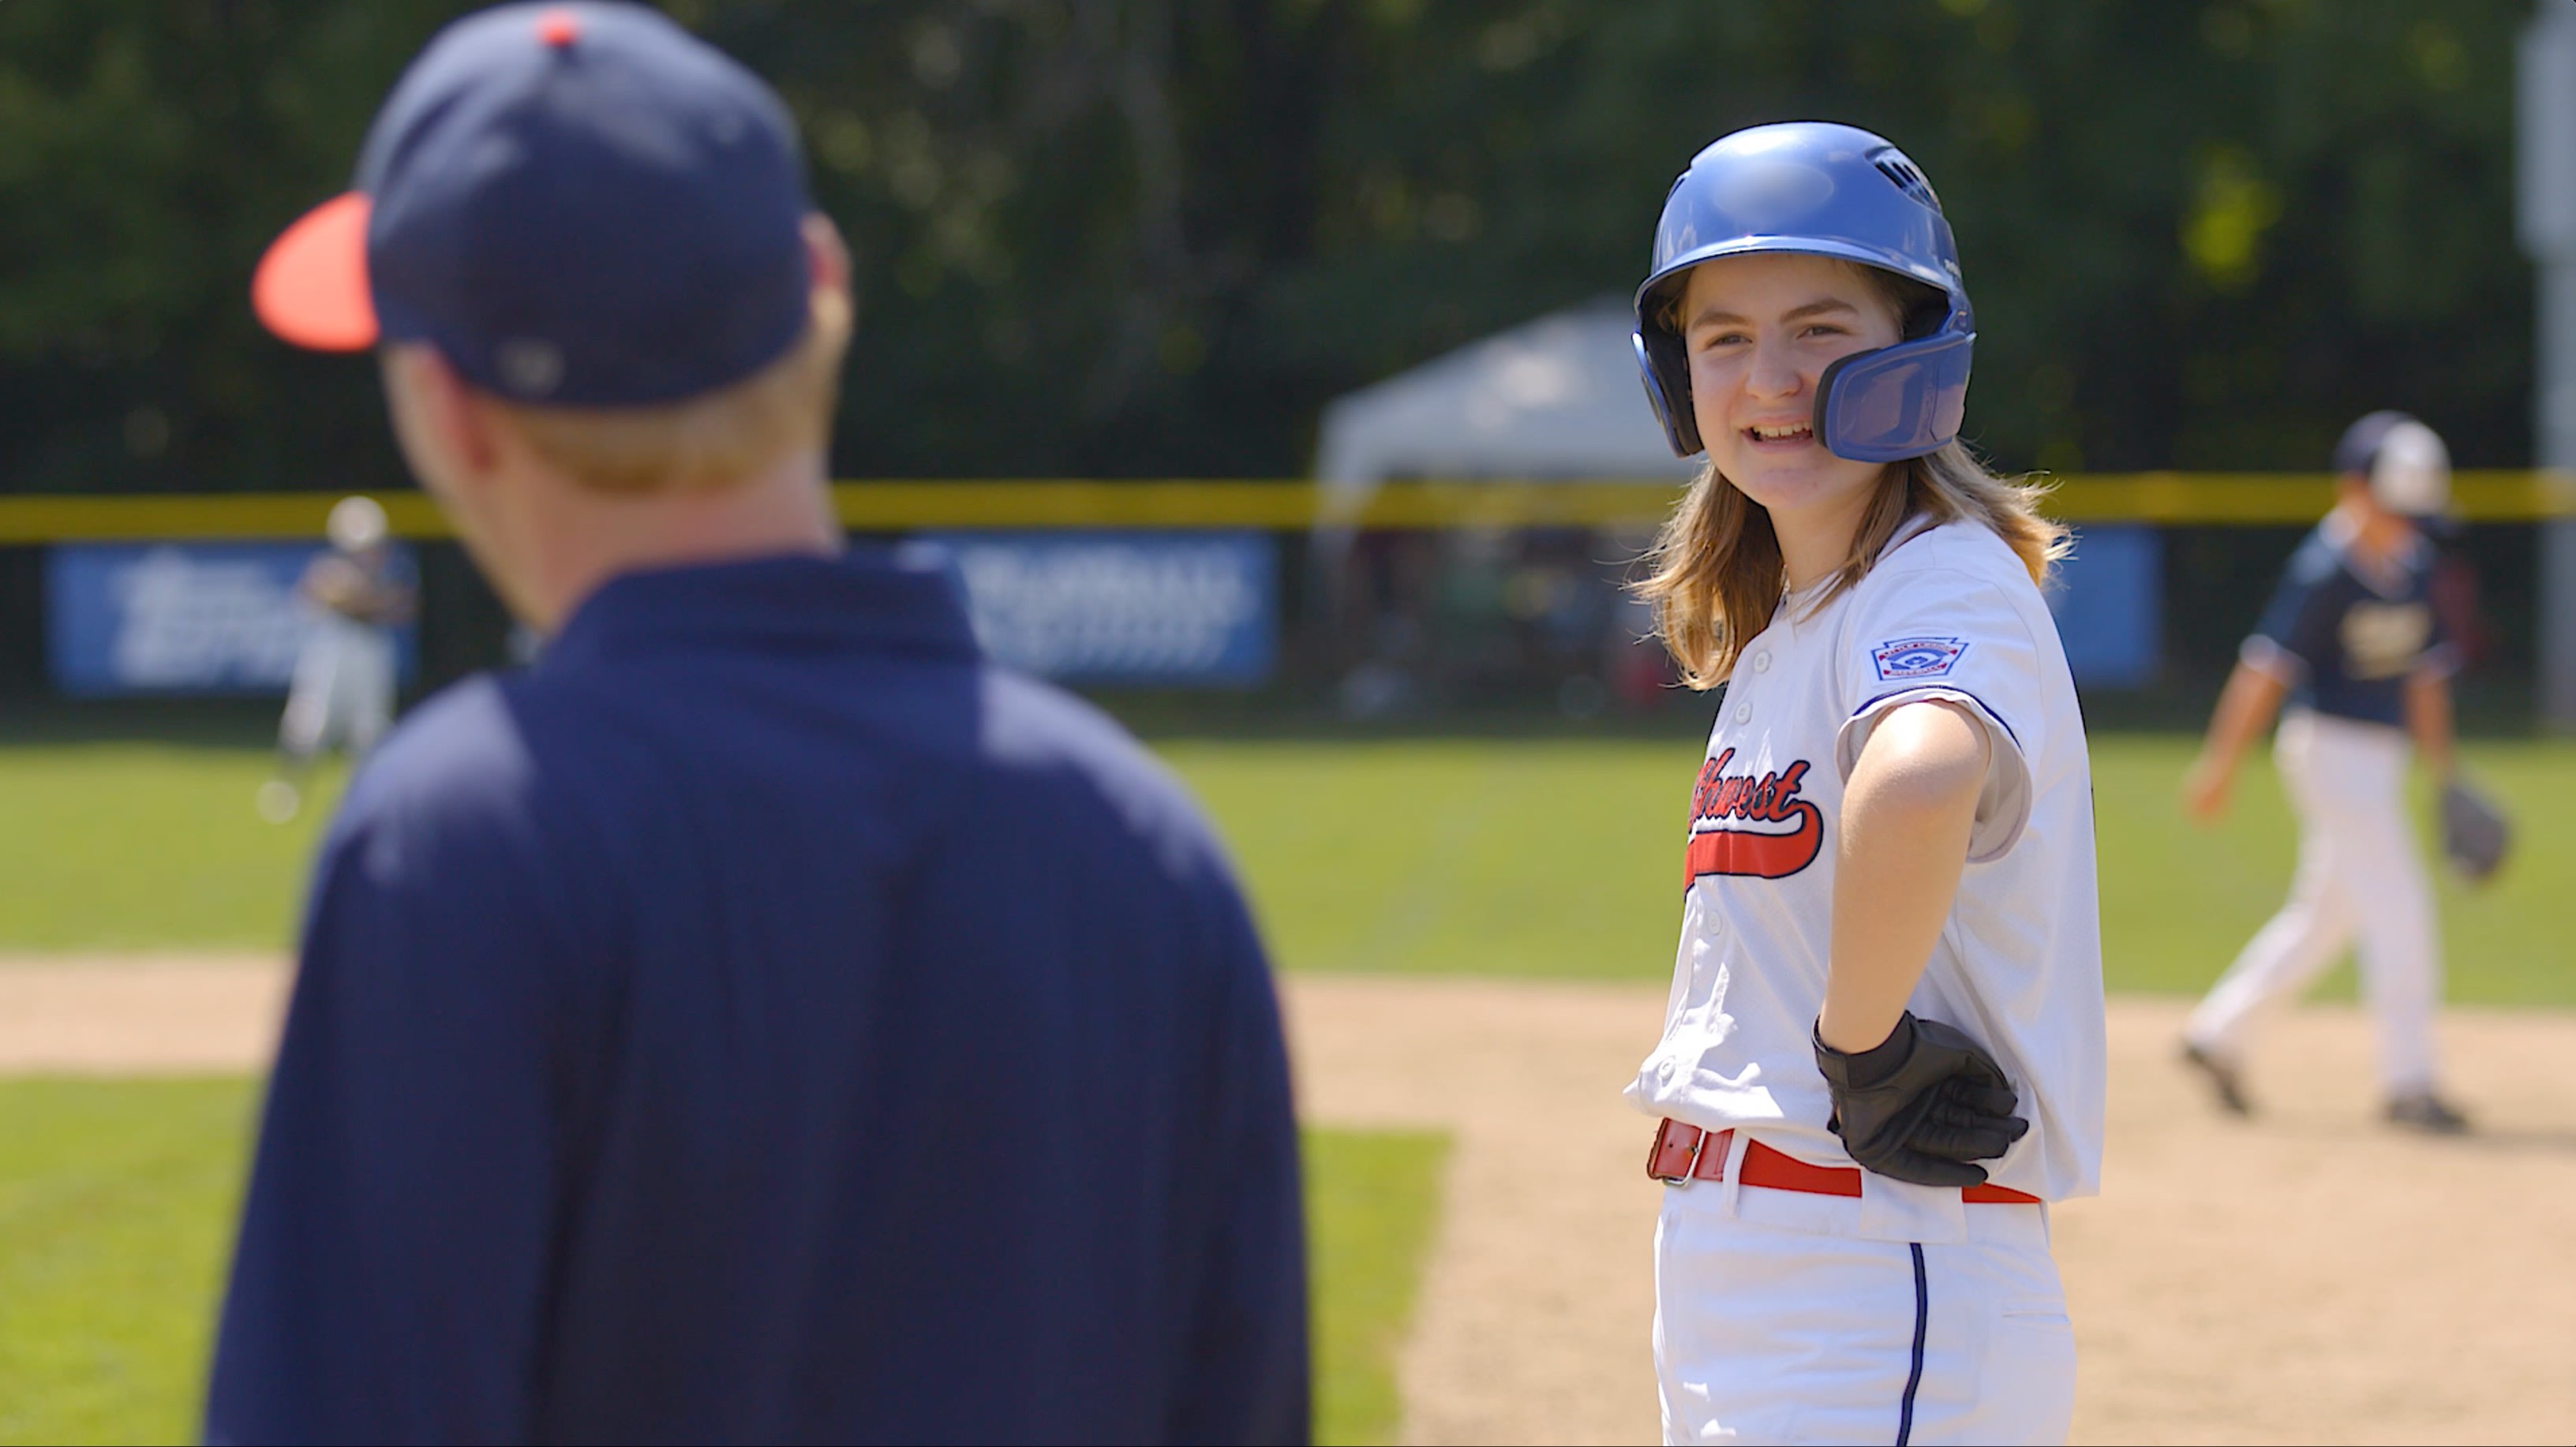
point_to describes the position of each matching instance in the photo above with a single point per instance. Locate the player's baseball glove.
(2475, 834)
(1922, 1105)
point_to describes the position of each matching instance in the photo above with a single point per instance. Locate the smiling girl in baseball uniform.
(1890, 963)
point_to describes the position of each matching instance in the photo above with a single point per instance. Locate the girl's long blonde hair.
(1717, 582)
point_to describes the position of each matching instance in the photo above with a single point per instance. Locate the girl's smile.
(1759, 331)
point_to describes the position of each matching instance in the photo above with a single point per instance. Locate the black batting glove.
(1921, 1105)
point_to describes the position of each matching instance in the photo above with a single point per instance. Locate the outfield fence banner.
(2108, 597)
(173, 618)
(1463, 587)
(1176, 609)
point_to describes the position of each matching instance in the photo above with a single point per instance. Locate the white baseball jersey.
(1950, 613)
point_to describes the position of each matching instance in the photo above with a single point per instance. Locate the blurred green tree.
(1134, 237)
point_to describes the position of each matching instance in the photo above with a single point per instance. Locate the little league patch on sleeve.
(1904, 658)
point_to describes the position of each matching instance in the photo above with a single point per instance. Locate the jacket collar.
(869, 598)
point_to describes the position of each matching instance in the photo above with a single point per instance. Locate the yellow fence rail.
(2168, 498)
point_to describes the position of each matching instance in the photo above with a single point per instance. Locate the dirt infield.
(139, 1014)
(2304, 1277)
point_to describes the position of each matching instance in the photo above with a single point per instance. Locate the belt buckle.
(1690, 1165)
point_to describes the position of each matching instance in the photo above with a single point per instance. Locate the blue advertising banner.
(2109, 598)
(171, 618)
(1179, 608)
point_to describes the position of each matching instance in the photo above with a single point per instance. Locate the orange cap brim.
(311, 286)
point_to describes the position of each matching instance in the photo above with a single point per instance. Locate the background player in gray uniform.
(343, 689)
(2353, 642)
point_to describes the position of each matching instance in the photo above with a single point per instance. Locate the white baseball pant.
(342, 691)
(2359, 881)
(1768, 1332)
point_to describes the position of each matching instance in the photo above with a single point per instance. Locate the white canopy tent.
(1557, 397)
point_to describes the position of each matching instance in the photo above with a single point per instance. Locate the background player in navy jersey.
(2353, 641)
(763, 1019)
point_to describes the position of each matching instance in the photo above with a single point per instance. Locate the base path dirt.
(2306, 1276)
(140, 1014)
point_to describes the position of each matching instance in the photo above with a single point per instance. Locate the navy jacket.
(2345, 638)
(766, 1019)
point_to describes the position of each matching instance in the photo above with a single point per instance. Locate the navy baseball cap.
(576, 204)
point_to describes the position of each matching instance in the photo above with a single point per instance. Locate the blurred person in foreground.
(342, 691)
(764, 1018)
(2354, 644)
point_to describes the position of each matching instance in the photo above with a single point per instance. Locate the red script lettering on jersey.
(1770, 799)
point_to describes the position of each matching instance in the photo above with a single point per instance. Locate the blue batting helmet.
(1819, 189)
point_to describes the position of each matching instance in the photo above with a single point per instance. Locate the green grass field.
(1372, 1199)
(116, 1207)
(1480, 856)
(118, 845)
(1563, 857)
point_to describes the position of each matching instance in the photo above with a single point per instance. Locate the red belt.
(1682, 1154)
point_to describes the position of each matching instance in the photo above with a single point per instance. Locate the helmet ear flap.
(1896, 402)
(1664, 367)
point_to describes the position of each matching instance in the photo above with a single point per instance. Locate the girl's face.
(1760, 331)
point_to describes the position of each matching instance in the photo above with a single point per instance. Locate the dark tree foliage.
(1141, 237)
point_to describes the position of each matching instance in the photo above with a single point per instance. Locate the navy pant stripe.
(1914, 1375)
